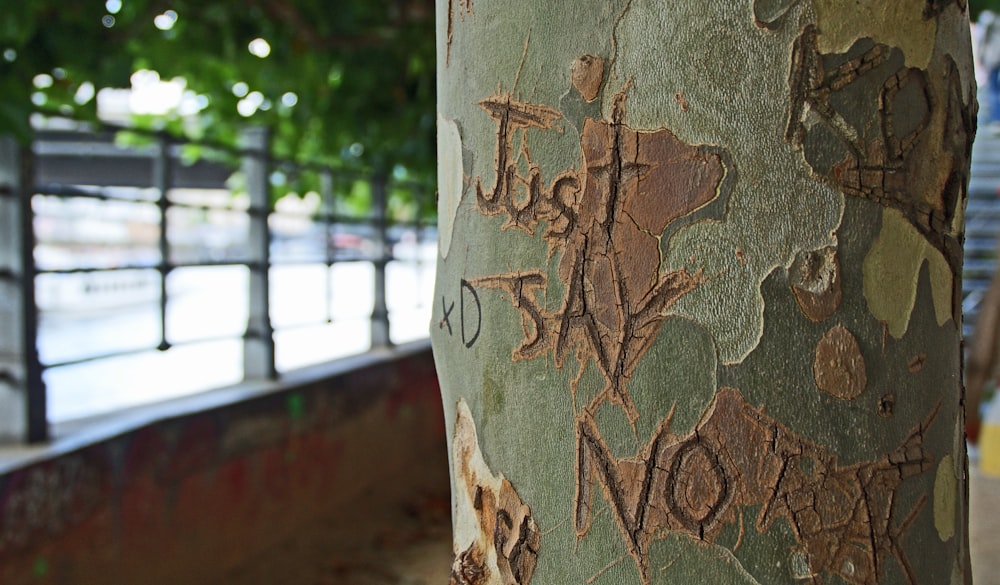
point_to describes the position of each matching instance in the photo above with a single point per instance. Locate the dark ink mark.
(738, 456)
(470, 341)
(446, 314)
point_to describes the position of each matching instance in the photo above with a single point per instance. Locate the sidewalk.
(984, 527)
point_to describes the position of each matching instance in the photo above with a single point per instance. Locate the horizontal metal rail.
(109, 174)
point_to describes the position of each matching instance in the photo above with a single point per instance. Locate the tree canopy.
(349, 82)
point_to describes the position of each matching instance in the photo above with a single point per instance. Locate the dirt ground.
(403, 542)
(408, 542)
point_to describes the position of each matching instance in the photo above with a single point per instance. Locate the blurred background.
(147, 198)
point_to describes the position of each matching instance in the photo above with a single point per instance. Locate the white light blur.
(151, 95)
(42, 81)
(85, 93)
(165, 21)
(259, 48)
(249, 105)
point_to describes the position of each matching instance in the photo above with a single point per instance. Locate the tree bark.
(698, 313)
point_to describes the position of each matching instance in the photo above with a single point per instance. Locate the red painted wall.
(186, 499)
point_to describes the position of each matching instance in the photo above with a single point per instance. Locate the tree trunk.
(698, 311)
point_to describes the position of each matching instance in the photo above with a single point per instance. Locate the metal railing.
(40, 186)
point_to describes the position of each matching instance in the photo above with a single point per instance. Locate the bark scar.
(504, 538)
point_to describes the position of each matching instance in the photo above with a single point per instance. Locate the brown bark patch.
(917, 363)
(887, 405)
(843, 517)
(815, 279)
(587, 75)
(838, 367)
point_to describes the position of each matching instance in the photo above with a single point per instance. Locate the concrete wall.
(185, 499)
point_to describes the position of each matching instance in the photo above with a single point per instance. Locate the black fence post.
(22, 391)
(161, 181)
(258, 342)
(380, 311)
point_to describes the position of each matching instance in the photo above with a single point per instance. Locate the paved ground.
(409, 543)
(984, 528)
(404, 540)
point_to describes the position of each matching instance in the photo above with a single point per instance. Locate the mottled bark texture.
(697, 312)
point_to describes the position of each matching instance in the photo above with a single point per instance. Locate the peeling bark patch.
(945, 498)
(888, 120)
(770, 14)
(900, 23)
(606, 220)
(917, 363)
(887, 405)
(843, 517)
(504, 538)
(815, 279)
(450, 180)
(839, 367)
(587, 75)
(892, 270)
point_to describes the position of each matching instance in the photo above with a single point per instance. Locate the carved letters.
(606, 221)
(841, 516)
(504, 538)
(865, 123)
(889, 120)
